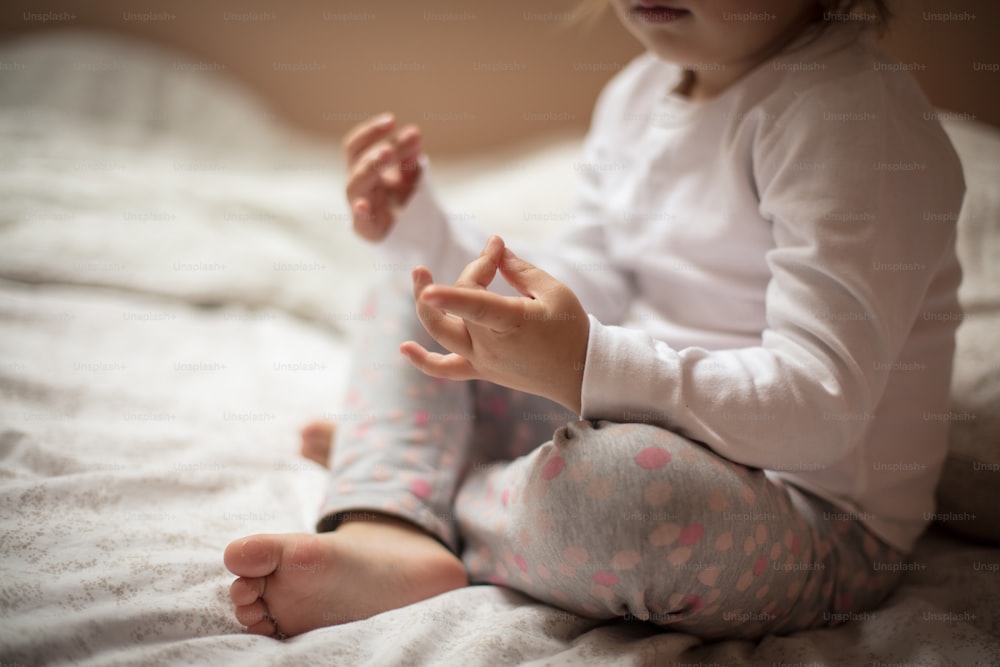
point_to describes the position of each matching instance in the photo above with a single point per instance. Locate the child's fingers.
(382, 164)
(366, 174)
(481, 271)
(409, 173)
(408, 142)
(477, 306)
(445, 366)
(408, 149)
(365, 224)
(448, 330)
(363, 135)
(525, 277)
(402, 167)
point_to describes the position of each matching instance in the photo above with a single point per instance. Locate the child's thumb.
(524, 276)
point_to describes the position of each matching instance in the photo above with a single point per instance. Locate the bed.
(178, 282)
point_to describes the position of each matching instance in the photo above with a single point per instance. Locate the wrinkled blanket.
(177, 285)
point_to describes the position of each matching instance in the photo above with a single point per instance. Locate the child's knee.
(605, 472)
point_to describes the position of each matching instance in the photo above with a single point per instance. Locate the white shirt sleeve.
(578, 256)
(851, 265)
(423, 234)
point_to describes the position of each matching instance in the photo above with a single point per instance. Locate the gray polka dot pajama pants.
(602, 519)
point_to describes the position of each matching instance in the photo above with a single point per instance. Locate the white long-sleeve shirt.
(770, 272)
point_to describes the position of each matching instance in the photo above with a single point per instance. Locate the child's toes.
(245, 591)
(265, 627)
(251, 615)
(320, 431)
(317, 442)
(254, 556)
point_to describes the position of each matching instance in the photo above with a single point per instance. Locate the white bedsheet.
(174, 297)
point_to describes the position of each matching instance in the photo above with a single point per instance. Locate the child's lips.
(654, 12)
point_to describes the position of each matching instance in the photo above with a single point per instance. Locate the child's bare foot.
(289, 584)
(317, 441)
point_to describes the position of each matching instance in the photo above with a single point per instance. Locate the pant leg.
(510, 423)
(402, 437)
(629, 520)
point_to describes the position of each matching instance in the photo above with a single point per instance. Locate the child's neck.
(706, 83)
(697, 87)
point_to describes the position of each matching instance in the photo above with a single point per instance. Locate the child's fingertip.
(432, 298)
(421, 276)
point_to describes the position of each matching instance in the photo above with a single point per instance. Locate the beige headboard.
(475, 74)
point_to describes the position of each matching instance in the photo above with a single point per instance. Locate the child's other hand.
(535, 343)
(382, 172)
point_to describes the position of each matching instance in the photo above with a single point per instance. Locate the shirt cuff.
(421, 229)
(628, 377)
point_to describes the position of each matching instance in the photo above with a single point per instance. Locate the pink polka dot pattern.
(709, 576)
(692, 533)
(652, 457)
(626, 560)
(600, 489)
(576, 555)
(717, 501)
(664, 535)
(553, 467)
(544, 521)
(657, 493)
(521, 563)
(605, 578)
(600, 592)
(421, 488)
(353, 397)
(679, 556)
(580, 471)
(559, 595)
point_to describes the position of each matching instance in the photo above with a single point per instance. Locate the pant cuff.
(364, 507)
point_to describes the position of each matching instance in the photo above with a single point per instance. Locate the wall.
(476, 75)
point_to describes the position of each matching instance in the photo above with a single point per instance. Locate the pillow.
(969, 491)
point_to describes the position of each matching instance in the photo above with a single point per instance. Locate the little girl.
(706, 407)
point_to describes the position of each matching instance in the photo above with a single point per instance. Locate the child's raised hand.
(382, 171)
(535, 343)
